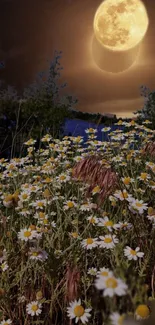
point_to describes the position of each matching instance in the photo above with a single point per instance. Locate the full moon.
(120, 25)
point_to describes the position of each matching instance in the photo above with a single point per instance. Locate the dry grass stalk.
(149, 149)
(91, 171)
(72, 281)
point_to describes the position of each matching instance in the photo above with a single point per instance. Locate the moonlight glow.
(120, 24)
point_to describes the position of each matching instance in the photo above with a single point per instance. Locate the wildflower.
(90, 243)
(34, 308)
(123, 195)
(106, 129)
(77, 311)
(142, 312)
(117, 319)
(144, 176)
(90, 130)
(26, 234)
(6, 322)
(127, 180)
(111, 286)
(92, 220)
(124, 225)
(108, 241)
(133, 254)
(4, 266)
(85, 207)
(105, 222)
(74, 234)
(39, 295)
(63, 178)
(39, 204)
(38, 254)
(69, 205)
(138, 206)
(96, 189)
(30, 142)
(92, 271)
(8, 201)
(104, 272)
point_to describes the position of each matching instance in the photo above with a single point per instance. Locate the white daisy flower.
(133, 254)
(34, 308)
(92, 271)
(105, 222)
(77, 311)
(144, 176)
(6, 322)
(4, 266)
(125, 225)
(123, 195)
(69, 205)
(111, 286)
(106, 129)
(89, 243)
(38, 254)
(108, 241)
(117, 319)
(104, 272)
(138, 206)
(26, 234)
(93, 220)
(85, 207)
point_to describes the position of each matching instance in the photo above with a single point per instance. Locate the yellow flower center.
(124, 195)
(62, 178)
(45, 221)
(104, 273)
(41, 215)
(46, 193)
(34, 307)
(32, 227)
(24, 196)
(108, 240)
(92, 220)
(143, 175)
(70, 204)
(109, 224)
(96, 189)
(89, 241)
(47, 180)
(40, 204)
(126, 180)
(74, 234)
(133, 252)
(142, 311)
(35, 253)
(138, 204)
(79, 311)
(111, 283)
(27, 233)
(120, 320)
(8, 198)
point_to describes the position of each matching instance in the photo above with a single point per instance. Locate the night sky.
(30, 32)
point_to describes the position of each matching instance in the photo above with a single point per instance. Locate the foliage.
(41, 107)
(148, 110)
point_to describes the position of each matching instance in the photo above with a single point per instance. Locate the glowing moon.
(120, 25)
